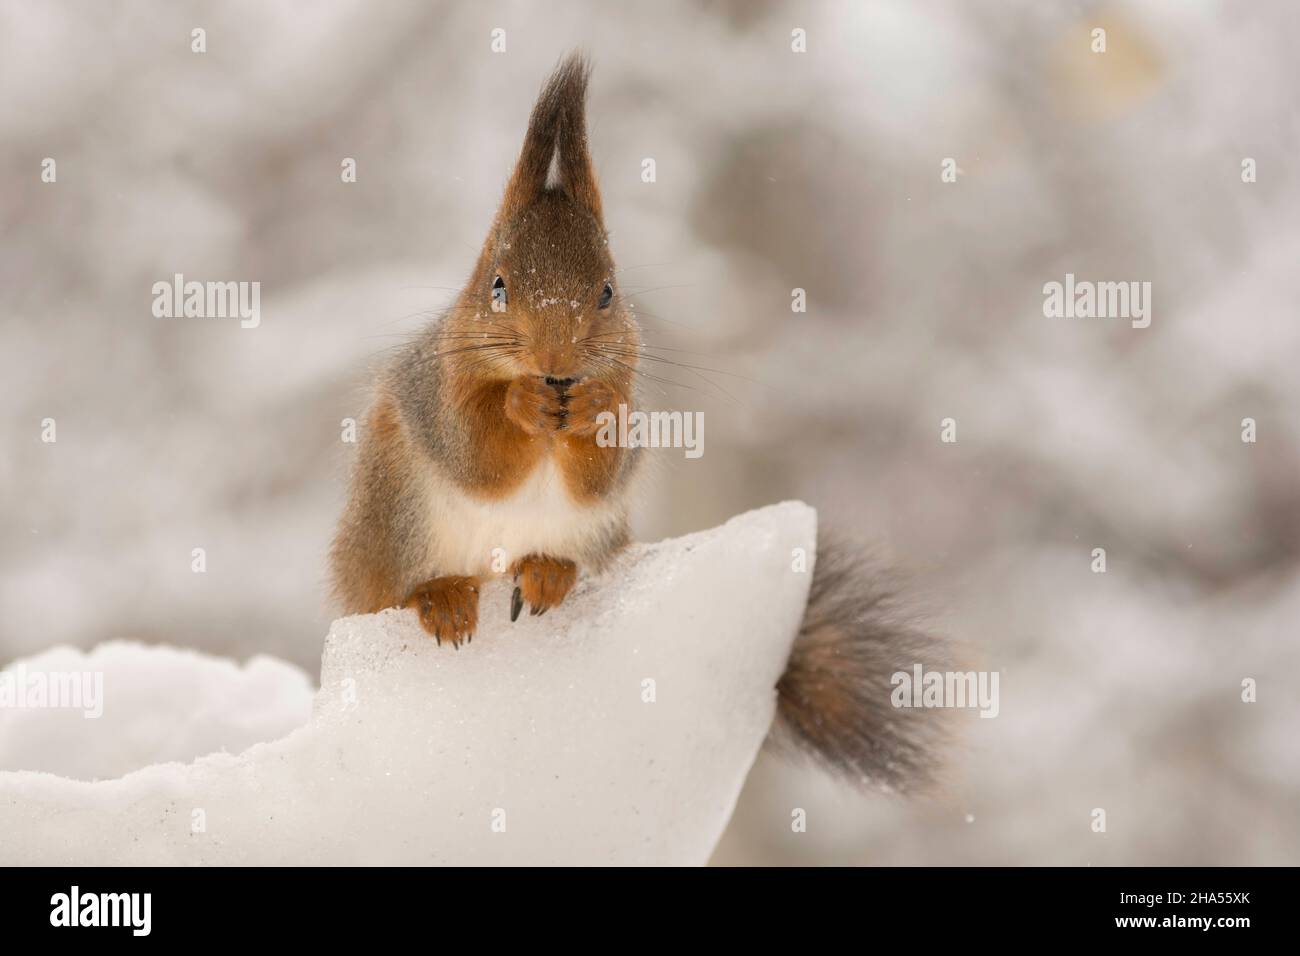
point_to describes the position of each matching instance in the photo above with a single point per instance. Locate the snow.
(158, 704)
(818, 171)
(534, 744)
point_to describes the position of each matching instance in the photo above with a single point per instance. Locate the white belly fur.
(540, 517)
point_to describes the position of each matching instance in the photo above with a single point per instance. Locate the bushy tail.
(834, 699)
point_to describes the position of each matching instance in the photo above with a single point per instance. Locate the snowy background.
(775, 170)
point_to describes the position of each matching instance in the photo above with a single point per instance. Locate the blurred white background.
(775, 170)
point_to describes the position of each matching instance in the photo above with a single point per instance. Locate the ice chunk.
(617, 728)
(123, 706)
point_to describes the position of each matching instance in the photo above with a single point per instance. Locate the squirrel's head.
(544, 289)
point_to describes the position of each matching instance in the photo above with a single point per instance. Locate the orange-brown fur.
(465, 426)
(366, 569)
(487, 396)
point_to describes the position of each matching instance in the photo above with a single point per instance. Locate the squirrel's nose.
(555, 363)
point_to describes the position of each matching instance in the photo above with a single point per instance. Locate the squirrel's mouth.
(555, 363)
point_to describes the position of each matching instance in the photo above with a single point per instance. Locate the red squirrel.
(482, 436)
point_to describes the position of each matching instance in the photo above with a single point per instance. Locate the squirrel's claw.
(516, 604)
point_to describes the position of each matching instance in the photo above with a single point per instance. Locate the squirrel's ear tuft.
(557, 134)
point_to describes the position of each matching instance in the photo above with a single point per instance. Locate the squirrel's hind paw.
(542, 582)
(448, 608)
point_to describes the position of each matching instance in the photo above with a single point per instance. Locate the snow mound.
(128, 705)
(616, 729)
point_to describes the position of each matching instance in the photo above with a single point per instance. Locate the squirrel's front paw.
(542, 582)
(534, 406)
(584, 401)
(448, 608)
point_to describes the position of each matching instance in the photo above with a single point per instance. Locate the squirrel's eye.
(498, 294)
(606, 296)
